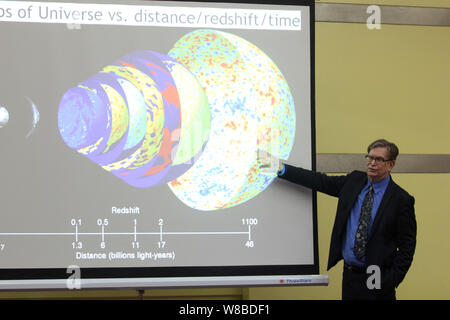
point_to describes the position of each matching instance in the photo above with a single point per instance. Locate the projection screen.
(130, 133)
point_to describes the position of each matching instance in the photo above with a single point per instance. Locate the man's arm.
(406, 238)
(330, 185)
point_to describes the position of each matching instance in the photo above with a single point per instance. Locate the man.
(375, 224)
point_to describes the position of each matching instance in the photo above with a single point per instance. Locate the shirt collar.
(380, 185)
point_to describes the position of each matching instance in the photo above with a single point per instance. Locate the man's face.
(378, 169)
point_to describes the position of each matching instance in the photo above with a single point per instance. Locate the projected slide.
(130, 133)
(208, 107)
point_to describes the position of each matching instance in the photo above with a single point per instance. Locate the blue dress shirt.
(352, 223)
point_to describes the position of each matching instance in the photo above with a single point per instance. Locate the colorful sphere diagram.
(194, 119)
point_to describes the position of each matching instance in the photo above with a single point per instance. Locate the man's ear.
(392, 165)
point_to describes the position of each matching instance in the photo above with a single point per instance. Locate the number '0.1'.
(76, 244)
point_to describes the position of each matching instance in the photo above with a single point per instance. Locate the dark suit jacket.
(392, 240)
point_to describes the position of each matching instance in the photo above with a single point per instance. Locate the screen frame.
(202, 276)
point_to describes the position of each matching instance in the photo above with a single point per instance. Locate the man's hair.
(392, 148)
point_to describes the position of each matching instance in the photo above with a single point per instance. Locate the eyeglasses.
(378, 160)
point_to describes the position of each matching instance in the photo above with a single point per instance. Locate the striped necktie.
(362, 232)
